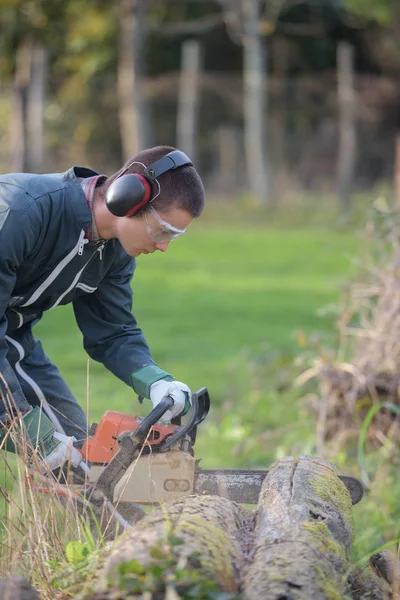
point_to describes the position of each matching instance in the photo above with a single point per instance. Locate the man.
(73, 238)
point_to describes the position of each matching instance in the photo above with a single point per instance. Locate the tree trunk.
(255, 114)
(303, 533)
(17, 588)
(18, 107)
(296, 546)
(397, 170)
(347, 129)
(188, 100)
(207, 525)
(127, 82)
(35, 110)
(227, 178)
(280, 58)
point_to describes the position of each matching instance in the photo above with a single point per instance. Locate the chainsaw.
(145, 461)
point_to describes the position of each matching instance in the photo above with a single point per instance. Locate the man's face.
(146, 233)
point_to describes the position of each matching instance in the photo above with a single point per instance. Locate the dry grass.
(49, 535)
(364, 375)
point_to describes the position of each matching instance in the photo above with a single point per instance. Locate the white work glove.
(179, 392)
(65, 451)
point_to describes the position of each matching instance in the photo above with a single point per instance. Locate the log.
(303, 533)
(17, 588)
(207, 525)
(294, 546)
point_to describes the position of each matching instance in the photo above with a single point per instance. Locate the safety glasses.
(159, 230)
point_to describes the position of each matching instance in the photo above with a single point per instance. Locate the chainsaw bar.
(244, 486)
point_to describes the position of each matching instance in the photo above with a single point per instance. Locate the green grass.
(229, 307)
(215, 294)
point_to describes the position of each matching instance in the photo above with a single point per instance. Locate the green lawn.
(216, 293)
(225, 308)
(222, 309)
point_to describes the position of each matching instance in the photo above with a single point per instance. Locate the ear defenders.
(129, 193)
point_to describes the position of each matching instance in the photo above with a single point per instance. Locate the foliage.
(74, 574)
(381, 11)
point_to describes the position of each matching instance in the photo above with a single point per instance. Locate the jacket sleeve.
(110, 331)
(16, 241)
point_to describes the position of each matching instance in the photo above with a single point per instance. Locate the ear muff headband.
(129, 193)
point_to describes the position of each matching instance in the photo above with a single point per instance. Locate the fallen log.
(17, 588)
(206, 525)
(303, 533)
(294, 546)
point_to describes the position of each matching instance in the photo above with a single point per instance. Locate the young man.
(73, 238)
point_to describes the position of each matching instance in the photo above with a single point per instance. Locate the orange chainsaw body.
(102, 443)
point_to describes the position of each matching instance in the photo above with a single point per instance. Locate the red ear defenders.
(129, 193)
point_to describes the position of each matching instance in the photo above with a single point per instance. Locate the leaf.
(75, 552)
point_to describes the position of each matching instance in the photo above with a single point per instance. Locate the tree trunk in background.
(18, 107)
(347, 128)
(229, 171)
(280, 58)
(397, 170)
(127, 80)
(35, 110)
(255, 115)
(142, 102)
(188, 100)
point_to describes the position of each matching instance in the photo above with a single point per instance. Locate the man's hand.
(63, 452)
(179, 392)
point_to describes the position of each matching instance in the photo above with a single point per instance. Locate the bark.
(303, 533)
(347, 128)
(35, 109)
(188, 101)
(22, 74)
(17, 588)
(129, 91)
(208, 525)
(397, 169)
(255, 114)
(295, 546)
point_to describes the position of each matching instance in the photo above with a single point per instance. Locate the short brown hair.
(180, 188)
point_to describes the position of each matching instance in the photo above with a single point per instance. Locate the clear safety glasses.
(159, 230)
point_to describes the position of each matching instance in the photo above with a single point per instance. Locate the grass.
(232, 307)
(217, 293)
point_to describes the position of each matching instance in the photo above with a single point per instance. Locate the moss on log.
(207, 525)
(303, 533)
(295, 546)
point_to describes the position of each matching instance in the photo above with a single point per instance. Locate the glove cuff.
(39, 429)
(143, 379)
(187, 404)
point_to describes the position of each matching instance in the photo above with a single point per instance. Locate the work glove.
(179, 392)
(63, 452)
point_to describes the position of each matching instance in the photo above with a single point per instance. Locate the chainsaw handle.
(200, 408)
(151, 419)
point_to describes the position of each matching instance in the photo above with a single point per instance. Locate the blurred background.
(269, 98)
(290, 109)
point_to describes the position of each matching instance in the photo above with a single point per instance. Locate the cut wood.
(303, 533)
(207, 525)
(17, 588)
(295, 546)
